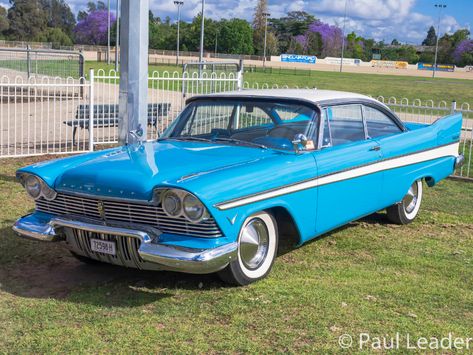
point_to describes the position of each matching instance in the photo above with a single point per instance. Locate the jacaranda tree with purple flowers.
(463, 54)
(93, 29)
(320, 39)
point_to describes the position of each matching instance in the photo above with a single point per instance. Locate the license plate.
(102, 246)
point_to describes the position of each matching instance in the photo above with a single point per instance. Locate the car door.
(386, 130)
(347, 189)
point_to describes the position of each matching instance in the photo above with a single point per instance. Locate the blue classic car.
(234, 173)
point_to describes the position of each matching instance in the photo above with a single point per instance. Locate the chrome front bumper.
(168, 257)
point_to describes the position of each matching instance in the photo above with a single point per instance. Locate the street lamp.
(201, 54)
(440, 7)
(178, 4)
(266, 15)
(343, 35)
(108, 33)
(117, 36)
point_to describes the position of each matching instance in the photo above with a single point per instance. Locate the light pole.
(201, 54)
(434, 69)
(178, 4)
(216, 43)
(343, 35)
(117, 36)
(108, 33)
(266, 15)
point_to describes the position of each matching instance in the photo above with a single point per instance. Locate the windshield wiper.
(186, 138)
(240, 141)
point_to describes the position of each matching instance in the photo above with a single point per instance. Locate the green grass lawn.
(370, 84)
(55, 67)
(370, 276)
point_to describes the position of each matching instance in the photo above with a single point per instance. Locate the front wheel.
(257, 246)
(406, 211)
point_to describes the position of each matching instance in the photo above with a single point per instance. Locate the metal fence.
(44, 115)
(41, 62)
(37, 114)
(167, 93)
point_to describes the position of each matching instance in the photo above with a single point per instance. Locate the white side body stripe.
(414, 158)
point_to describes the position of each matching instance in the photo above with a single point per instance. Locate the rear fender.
(448, 128)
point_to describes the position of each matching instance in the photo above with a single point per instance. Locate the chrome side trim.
(378, 166)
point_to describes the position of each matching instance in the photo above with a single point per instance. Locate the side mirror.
(299, 142)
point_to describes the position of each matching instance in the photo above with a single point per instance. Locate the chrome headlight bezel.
(44, 190)
(160, 195)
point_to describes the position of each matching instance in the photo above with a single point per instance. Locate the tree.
(93, 29)
(259, 25)
(4, 23)
(463, 54)
(431, 38)
(27, 18)
(55, 36)
(395, 42)
(236, 37)
(294, 24)
(59, 15)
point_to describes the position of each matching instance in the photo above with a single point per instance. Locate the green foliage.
(27, 19)
(431, 37)
(56, 36)
(285, 28)
(59, 15)
(4, 22)
(236, 37)
(404, 53)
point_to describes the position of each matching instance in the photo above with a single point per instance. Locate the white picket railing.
(54, 116)
(35, 113)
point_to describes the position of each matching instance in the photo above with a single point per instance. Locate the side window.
(207, 118)
(378, 123)
(251, 116)
(346, 124)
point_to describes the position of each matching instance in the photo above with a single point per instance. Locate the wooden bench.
(107, 116)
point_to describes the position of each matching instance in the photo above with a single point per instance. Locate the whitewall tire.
(407, 210)
(257, 247)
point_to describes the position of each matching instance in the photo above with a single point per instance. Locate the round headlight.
(193, 208)
(33, 186)
(171, 204)
(48, 193)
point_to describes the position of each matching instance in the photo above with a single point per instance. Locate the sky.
(405, 20)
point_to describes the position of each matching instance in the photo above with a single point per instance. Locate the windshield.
(258, 123)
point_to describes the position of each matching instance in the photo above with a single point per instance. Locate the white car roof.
(313, 95)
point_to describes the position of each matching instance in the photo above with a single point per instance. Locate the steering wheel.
(282, 132)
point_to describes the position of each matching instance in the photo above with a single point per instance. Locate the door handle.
(375, 148)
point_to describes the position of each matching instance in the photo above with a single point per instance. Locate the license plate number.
(102, 246)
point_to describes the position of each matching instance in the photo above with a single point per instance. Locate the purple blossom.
(327, 32)
(93, 29)
(463, 47)
(303, 40)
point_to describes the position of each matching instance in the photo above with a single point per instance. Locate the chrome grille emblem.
(101, 209)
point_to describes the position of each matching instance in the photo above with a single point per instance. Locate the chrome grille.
(129, 212)
(126, 249)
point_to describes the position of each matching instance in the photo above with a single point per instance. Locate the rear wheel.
(257, 246)
(406, 211)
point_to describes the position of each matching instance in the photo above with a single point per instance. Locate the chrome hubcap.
(410, 200)
(254, 242)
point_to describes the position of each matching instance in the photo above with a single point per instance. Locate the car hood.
(133, 171)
